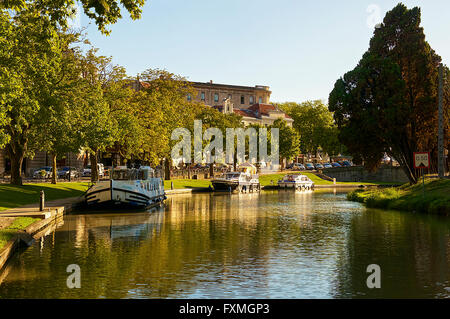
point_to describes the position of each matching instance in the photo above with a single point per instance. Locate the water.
(271, 245)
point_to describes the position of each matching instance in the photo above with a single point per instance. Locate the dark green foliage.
(388, 103)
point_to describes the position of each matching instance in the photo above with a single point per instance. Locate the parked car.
(43, 172)
(64, 172)
(309, 166)
(327, 165)
(290, 166)
(299, 167)
(319, 166)
(87, 170)
(336, 165)
(346, 164)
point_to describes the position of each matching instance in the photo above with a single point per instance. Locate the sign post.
(422, 160)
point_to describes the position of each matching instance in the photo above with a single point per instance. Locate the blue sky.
(298, 48)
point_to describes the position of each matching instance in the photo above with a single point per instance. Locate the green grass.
(14, 196)
(263, 179)
(19, 223)
(435, 200)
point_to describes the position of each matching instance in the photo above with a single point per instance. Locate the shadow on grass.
(12, 196)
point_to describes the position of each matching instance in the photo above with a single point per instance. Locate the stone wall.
(359, 174)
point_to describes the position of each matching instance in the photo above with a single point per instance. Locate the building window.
(251, 99)
(260, 100)
(216, 97)
(203, 96)
(242, 99)
(189, 97)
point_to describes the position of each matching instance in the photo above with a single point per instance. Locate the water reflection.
(271, 245)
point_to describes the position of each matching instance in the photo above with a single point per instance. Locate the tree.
(96, 126)
(27, 68)
(289, 140)
(167, 103)
(388, 103)
(103, 12)
(212, 118)
(315, 125)
(58, 98)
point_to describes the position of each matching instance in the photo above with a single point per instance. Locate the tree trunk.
(16, 153)
(54, 168)
(211, 170)
(94, 167)
(167, 169)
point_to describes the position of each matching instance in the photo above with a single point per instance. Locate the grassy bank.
(265, 180)
(14, 196)
(435, 200)
(18, 223)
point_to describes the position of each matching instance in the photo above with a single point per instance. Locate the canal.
(271, 245)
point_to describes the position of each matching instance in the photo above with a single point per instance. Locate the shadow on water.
(276, 244)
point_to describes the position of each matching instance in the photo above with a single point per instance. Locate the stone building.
(241, 96)
(252, 103)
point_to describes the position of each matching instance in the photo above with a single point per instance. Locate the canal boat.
(296, 181)
(237, 181)
(139, 188)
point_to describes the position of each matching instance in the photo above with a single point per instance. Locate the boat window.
(120, 175)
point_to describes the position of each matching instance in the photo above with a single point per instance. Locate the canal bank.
(28, 223)
(432, 197)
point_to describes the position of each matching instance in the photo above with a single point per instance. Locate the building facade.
(213, 94)
(252, 103)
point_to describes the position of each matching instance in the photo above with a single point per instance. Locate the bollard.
(42, 201)
(171, 185)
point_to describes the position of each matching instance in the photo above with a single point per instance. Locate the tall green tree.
(388, 103)
(103, 12)
(168, 104)
(59, 99)
(96, 127)
(289, 140)
(315, 125)
(27, 69)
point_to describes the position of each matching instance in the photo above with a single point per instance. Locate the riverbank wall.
(49, 219)
(386, 174)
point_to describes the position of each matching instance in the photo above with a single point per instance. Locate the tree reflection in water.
(282, 244)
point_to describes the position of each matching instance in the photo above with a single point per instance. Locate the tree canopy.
(103, 12)
(315, 125)
(388, 103)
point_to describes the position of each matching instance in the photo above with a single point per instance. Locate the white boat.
(240, 181)
(130, 187)
(296, 181)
